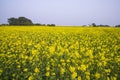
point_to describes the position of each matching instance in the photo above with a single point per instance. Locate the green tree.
(19, 21)
(117, 26)
(52, 25)
(24, 21)
(13, 21)
(94, 25)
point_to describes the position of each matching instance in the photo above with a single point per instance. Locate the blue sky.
(63, 12)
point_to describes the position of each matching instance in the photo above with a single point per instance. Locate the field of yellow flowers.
(59, 53)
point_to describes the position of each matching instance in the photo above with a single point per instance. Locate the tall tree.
(13, 21)
(93, 24)
(24, 21)
(19, 21)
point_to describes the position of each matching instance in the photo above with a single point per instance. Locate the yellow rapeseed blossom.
(68, 60)
(30, 43)
(25, 69)
(62, 60)
(79, 78)
(1, 71)
(99, 64)
(18, 66)
(97, 75)
(87, 73)
(47, 68)
(36, 70)
(47, 73)
(114, 78)
(72, 69)
(104, 63)
(13, 75)
(62, 71)
(74, 75)
(34, 52)
(51, 49)
(107, 70)
(83, 67)
(31, 78)
(87, 77)
(108, 78)
(53, 74)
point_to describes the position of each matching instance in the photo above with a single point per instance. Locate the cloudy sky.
(62, 12)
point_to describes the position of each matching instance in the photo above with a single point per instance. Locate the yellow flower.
(13, 75)
(88, 77)
(68, 60)
(79, 78)
(34, 52)
(114, 78)
(89, 53)
(72, 69)
(64, 64)
(74, 75)
(31, 78)
(104, 63)
(1, 71)
(62, 70)
(99, 64)
(87, 73)
(53, 74)
(83, 67)
(62, 60)
(76, 54)
(51, 49)
(25, 70)
(47, 68)
(103, 57)
(18, 66)
(36, 70)
(47, 73)
(108, 78)
(97, 75)
(107, 70)
(30, 43)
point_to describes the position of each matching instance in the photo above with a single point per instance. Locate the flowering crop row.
(59, 53)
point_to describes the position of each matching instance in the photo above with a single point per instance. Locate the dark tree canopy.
(19, 21)
(13, 21)
(50, 24)
(93, 24)
(117, 26)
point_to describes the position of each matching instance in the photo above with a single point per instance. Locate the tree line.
(23, 21)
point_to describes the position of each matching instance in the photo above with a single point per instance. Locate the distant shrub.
(51, 25)
(117, 26)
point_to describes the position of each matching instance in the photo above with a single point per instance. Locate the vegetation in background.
(117, 26)
(23, 21)
(19, 21)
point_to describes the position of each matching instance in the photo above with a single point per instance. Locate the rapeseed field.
(59, 53)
